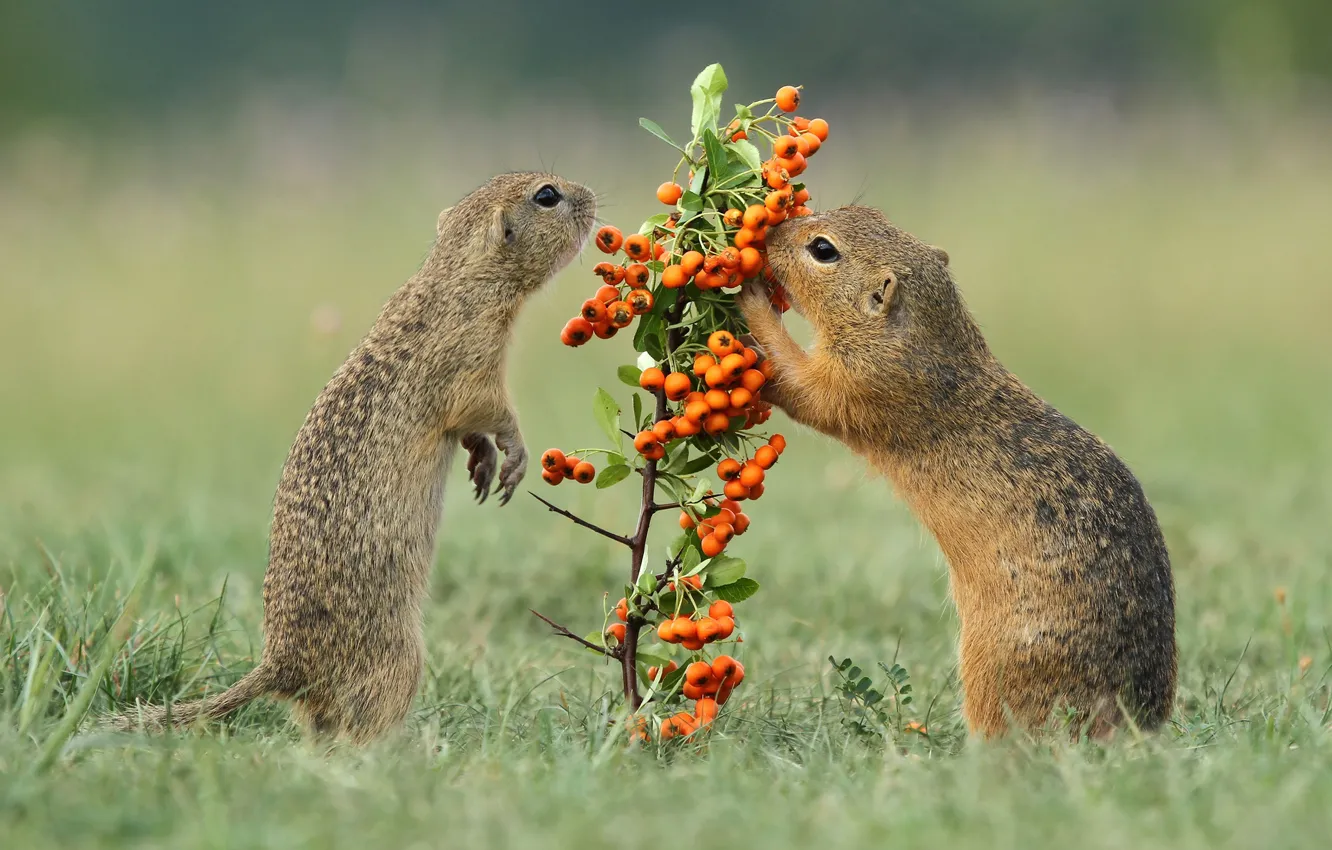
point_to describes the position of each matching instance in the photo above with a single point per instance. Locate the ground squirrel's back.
(1057, 562)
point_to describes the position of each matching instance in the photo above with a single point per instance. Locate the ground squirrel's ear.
(879, 300)
(941, 254)
(439, 222)
(500, 230)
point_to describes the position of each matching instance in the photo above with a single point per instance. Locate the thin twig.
(561, 630)
(584, 523)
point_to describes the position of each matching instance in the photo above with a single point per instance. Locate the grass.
(1164, 284)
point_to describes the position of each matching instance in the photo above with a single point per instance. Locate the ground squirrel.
(1057, 563)
(360, 499)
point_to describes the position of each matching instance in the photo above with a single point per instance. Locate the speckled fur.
(361, 496)
(1057, 563)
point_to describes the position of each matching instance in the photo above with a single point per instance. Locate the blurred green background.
(202, 207)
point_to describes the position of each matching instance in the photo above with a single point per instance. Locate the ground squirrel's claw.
(481, 458)
(513, 470)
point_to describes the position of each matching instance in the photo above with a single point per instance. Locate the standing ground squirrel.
(359, 503)
(1057, 563)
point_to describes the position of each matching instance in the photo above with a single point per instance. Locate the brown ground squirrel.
(1057, 563)
(360, 499)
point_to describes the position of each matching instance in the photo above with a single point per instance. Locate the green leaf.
(649, 660)
(647, 582)
(653, 222)
(629, 375)
(690, 559)
(716, 154)
(742, 111)
(594, 638)
(698, 464)
(737, 592)
(607, 413)
(679, 459)
(699, 490)
(655, 129)
(700, 178)
(706, 92)
(638, 408)
(725, 570)
(747, 153)
(612, 475)
(691, 201)
(648, 336)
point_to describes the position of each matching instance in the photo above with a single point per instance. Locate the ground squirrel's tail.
(252, 685)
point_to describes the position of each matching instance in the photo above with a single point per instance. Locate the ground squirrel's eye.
(823, 250)
(547, 196)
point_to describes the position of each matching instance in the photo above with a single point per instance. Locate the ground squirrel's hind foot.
(481, 461)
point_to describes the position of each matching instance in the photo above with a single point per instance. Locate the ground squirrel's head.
(873, 292)
(519, 229)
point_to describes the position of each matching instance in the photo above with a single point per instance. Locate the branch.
(625, 541)
(561, 630)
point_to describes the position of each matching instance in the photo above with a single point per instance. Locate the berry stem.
(618, 538)
(563, 631)
(638, 543)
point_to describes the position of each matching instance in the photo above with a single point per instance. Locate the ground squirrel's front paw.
(514, 468)
(481, 461)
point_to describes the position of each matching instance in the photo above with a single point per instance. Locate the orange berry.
(732, 217)
(569, 463)
(693, 691)
(730, 258)
(609, 272)
(712, 545)
(801, 212)
(733, 507)
(640, 301)
(692, 645)
(726, 670)
(724, 532)
(584, 472)
(725, 626)
(721, 608)
(637, 247)
(740, 399)
(755, 216)
(776, 216)
(669, 193)
(722, 343)
(678, 725)
(684, 628)
(609, 239)
(622, 609)
(665, 430)
(705, 709)
(577, 331)
(778, 442)
(593, 310)
(716, 422)
(619, 314)
(637, 276)
(676, 386)
(776, 177)
(735, 490)
(715, 376)
(723, 693)
(756, 492)
(723, 516)
(697, 411)
(552, 459)
(741, 523)
(652, 379)
(552, 476)
(765, 457)
(666, 633)
(745, 238)
(733, 365)
(751, 475)
(819, 128)
(696, 582)
(752, 380)
(686, 427)
(765, 369)
(717, 399)
(702, 363)
(705, 528)
(698, 674)
(691, 262)
(645, 439)
(616, 631)
(778, 201)
(658, 250)
(751, 261)
(686, 520)
(798, 124)
(811, 142)
(788, 98)
(785, 147)
(604, 330)
(607, 293)
(674, 277)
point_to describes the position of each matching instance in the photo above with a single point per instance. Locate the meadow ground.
(1164, 281)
